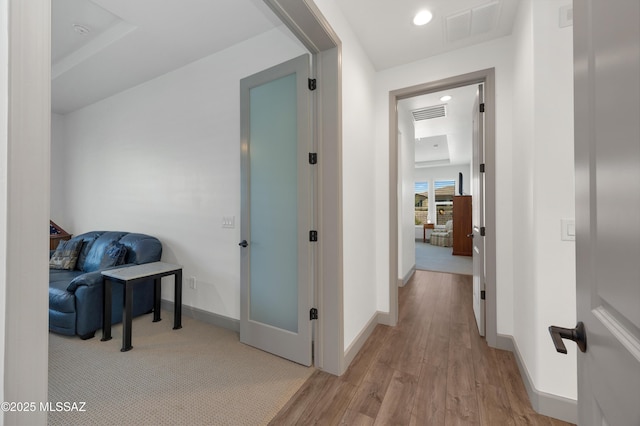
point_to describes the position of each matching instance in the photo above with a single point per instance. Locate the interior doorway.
(436, 161)
(486, 78)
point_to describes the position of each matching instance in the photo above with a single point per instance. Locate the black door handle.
(576, 334)
(470, 235)
(243, 243)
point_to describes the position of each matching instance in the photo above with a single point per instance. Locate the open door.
(477, 178)
(607, 159)
(277, 197)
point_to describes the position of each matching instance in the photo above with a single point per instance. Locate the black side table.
(129, 276)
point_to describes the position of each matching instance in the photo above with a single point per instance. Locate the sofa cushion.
(99, 246)
(113, 255)
(66, 255)
(88, 240)
(141, 248)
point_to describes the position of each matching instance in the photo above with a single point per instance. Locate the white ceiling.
(389, 37)
(132, 41)
(445, 140)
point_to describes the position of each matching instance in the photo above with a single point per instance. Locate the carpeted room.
(441, 259)
(200, 374)
(157, 158)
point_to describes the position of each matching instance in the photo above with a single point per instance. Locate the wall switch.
(566, 16)
(192, 283)
(228, 221)
(568, 229)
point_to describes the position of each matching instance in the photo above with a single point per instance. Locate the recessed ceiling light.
(445, 98)
(423, 17)
(81, 29)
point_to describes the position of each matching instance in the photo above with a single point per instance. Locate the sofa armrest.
(90, 279)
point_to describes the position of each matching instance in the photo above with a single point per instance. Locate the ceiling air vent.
(428, 113)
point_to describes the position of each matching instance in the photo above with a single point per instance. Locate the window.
(421, 202)
(445, 190)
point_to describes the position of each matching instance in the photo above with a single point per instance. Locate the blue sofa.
(75, 296)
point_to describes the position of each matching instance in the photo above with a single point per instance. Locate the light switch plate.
(568, 229)
(228, 221)
(566, 16)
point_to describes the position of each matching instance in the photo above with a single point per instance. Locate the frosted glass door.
(274, 204)
(276, 211)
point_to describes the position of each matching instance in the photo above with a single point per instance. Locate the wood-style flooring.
(433, 368)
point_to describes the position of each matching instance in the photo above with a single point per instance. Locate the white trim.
(360, 340)
(408, 276)
(306, 21)
(205, 316)
(547, 404)
(486, 76)
(384, 318)
(28, 120)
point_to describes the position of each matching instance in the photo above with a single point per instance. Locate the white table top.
(140, 271)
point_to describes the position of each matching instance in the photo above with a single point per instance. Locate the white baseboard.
(407, 277)
(204, 316)
(359, 341)
(543, 403)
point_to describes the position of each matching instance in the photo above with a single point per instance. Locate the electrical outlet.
(192, 283)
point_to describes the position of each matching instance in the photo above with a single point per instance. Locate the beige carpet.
(199, 375)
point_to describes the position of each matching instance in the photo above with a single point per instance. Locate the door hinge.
(313, 314)
(312, 84)
(483, 231)
(313, 158)
(482, 107)
(482, 295)
(313, 236)
(482, 168)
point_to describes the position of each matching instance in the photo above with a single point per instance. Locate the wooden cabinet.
(56, 234)
(462, 226)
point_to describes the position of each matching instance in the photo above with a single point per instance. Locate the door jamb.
(307, 23)
(486, 76)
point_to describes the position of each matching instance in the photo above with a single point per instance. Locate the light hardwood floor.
(433, 368)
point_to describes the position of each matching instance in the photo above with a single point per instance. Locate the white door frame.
(25, 130)
(305, 20)
(486, 76)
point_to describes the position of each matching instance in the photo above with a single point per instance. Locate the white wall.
(163, 158)
(406, 194)
(58, 170)
(359, 191)
(524, 303)
(544, 266)
(24, 204)
(487, 55)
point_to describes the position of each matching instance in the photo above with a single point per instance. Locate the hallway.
(431, 369)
